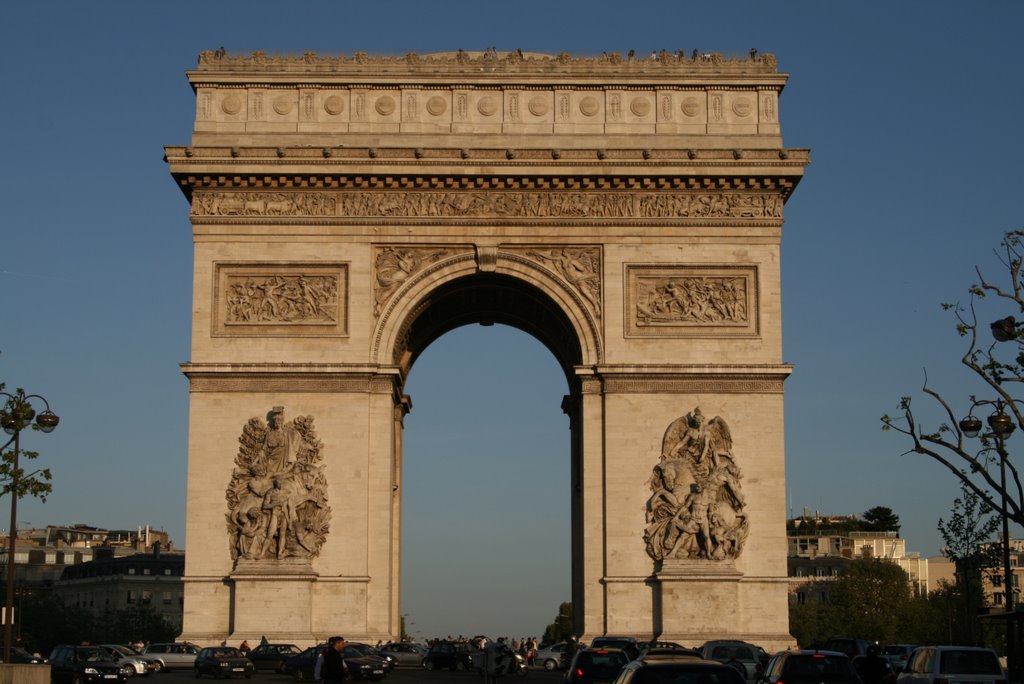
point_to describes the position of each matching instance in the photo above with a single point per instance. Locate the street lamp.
(1001, 426)
(17, 415)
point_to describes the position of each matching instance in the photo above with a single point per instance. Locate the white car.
(952, 665)
(173, 655)
(140, 665)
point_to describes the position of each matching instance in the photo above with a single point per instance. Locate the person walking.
(330, 666)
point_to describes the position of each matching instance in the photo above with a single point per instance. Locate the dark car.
(223, 661)
(627, 644)
(272, 656)
(749, 660)
(662, 669)
(810, 667)
(596, 665)
(20, 655)
(851, 647)
(448, 654)
(405, 653)
(301, 666)
(368, 651)
(83, 665)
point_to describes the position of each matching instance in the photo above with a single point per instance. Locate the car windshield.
(601, 662)
(683, 674)
(822, 668)
(95, 655)
(968, 662)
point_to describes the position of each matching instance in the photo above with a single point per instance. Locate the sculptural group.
(696, 508)
(277, 498)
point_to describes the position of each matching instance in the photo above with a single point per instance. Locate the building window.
(131, 597)
(131, 571)
(997, 598)
(147, 598)
(145, 571)
(997, 581)
(801, 597)
(167, 598)
(167, 571)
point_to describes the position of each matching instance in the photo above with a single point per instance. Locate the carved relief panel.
(393, 265)
(691, 301)
(280, 299)
(277, 497)
(579, 267)
(696, 507)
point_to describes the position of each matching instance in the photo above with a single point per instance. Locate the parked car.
(272, 656)
(627, 644)
(222, 661)
(301, 666)
(851, 647)
(897, 655)
(85, 664)
(140, 664)
(596, 665)
(550, 657)
(448, 654)
(177, 655)
(749, 660)
(677, 669)
(952, 665)
(405, 653)
(810, 667)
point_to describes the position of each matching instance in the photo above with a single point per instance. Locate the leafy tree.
(561, 628)
(871, 599)
(965, 535)
(880, 519)
(999, 367)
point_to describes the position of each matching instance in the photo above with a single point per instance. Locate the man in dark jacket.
(334, 669)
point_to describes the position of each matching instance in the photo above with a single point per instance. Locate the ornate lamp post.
(1001, 426)
(17, 415)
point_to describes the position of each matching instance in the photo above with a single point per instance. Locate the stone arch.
(513, 290)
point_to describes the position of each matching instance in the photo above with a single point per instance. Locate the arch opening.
(486, 299)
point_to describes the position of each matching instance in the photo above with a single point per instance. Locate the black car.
(301, 666)
(596, 666)
(369, 651)
(449, 654)
(810, 667)
(272, 656)
(627, 644)
(84, 665)
(20, 655)
(223, 661)
(685, 668)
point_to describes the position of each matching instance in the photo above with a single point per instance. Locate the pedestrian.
(263, 640)
(330, 665)
(244, 648)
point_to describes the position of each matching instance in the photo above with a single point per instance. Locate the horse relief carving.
(277, 498)
(696, 508)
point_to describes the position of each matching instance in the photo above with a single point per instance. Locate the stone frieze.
(393, 266)
(580, 267)
(489, 204)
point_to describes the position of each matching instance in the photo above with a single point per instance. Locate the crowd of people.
(525, 646)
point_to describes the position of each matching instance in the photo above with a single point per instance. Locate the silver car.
(178, 655)
(139, 664)
(550, 657)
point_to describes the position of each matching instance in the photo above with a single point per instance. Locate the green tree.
(965, 538)
(870, 600)
(561, 628)
(880, 519)
(999, 368)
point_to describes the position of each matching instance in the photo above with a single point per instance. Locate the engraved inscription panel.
(280, 299)
(691, 301)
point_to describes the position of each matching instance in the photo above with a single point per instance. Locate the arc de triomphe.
(349, 210)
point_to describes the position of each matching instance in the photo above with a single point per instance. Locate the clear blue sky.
(912, 111)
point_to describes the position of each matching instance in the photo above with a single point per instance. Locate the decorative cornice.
(317, 378)
(757, 379)
(471, 63)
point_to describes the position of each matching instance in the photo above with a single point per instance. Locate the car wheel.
(77, 679)
(550, 665)
(299, 677)
(428, 664)
(158, 667)
(460, 666)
